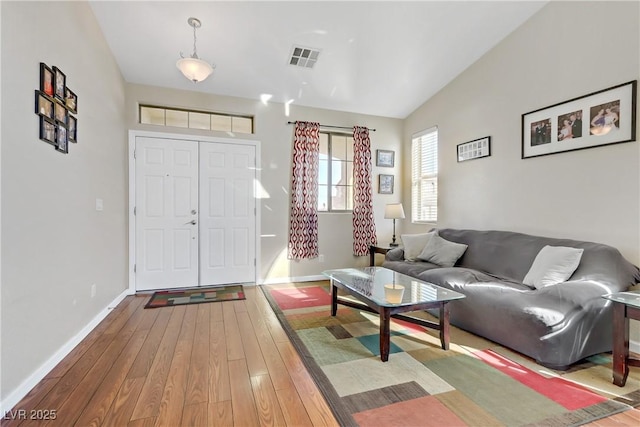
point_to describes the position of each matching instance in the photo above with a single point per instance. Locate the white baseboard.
(634, 346)
(19, 393)
(279, 280)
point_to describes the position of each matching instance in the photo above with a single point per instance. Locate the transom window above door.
(192, 119)
(335, 174)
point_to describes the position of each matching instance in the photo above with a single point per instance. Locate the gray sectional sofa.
(556, 325)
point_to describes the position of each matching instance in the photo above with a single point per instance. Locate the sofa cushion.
(553, 265)
(442, 252)
(414, 244)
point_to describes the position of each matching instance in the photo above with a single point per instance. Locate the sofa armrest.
(580, 292)
(395, 254)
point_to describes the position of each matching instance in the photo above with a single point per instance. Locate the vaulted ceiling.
(379, 58)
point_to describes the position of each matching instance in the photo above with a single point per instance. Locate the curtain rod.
(331, 126)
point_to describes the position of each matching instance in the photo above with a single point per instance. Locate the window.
(335, 173)
(424, 176)
(163, 116)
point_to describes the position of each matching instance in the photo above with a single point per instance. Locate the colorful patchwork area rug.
(475, 383)
(195, 296)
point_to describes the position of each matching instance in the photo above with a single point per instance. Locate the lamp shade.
(195, 69)
(394, 211)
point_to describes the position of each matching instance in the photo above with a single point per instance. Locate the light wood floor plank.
(143, 362)
(314, 402)
(220, 414)
(143, 422)
(245, 412)
(292, 408)
(149, 401)
(251, 348)
(232, 332)
(172, 402)
(275, 366)
(197, 388)
(122, 407)
(269, 411)
(96, 409)
(195, 415)
(219, 385)
(78, 399)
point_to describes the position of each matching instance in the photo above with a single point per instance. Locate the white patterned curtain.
(303, 212)
(364, 227)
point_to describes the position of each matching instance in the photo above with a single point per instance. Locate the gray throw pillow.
(442, 252)
(414, 244)
(553, 265)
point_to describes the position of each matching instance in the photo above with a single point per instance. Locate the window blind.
(424, 176)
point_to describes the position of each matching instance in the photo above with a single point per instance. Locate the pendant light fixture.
(194, 68)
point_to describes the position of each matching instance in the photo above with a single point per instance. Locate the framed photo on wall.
(44, 105)
(60, 81)
(46, 79)
(61, 113)
(47, 130)
(71, 100)
(73, 129)
(62, 141)
(385, 158)
(599, 118)
(385, 184)
(474, 149)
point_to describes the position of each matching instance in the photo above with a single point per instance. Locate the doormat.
(475, 383)
(196, 296)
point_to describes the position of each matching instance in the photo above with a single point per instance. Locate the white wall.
(566, 50)
(55, 245)
(275, 136)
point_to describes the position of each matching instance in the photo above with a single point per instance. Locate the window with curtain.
(424, 176)
(335, 173)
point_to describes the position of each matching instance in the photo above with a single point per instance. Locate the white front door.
(166, 213)
(227, 213)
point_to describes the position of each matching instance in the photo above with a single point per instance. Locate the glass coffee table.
(626, 306)
(377, 288)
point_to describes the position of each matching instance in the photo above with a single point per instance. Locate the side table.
(626, 305)
(375, 249)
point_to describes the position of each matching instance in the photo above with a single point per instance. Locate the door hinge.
(254, 262)
(134, 153)
(134, 268)
(134, 210)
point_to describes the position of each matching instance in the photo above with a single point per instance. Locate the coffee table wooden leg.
(334, 299)
(444, 326)
(620, 344)
(385, 333)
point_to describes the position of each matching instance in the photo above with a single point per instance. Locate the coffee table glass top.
(630, 298)
(371, 282)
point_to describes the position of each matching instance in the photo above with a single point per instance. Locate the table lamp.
(394, 211)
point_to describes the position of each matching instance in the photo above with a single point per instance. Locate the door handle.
(191, 222)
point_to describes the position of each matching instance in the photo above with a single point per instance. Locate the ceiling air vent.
(303, 56)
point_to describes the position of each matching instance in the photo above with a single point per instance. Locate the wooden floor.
(215, 364)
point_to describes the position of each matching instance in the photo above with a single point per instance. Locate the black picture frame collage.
(57, 107)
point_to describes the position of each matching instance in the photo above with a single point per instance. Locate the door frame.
(133, 134)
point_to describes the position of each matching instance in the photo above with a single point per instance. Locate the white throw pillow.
(442, 252)
(414, 243)
(553, 265)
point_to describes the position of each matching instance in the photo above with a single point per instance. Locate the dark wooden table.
(376, 249)
(626, 305)
(366, 285)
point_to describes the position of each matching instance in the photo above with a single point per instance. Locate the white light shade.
(394, 211)
(194, 69)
